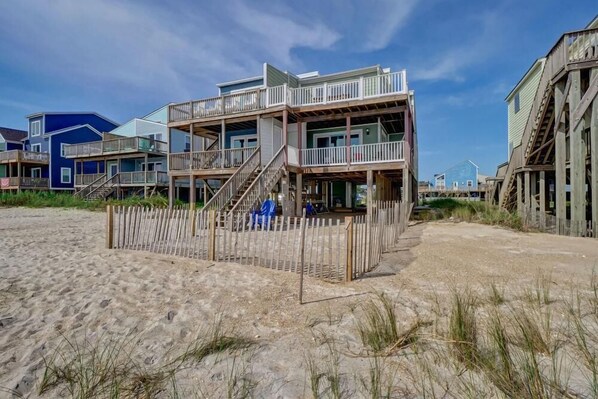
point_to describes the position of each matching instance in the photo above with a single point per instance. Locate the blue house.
(49, 133)
(462, 176)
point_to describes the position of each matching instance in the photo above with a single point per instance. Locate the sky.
(125, 58)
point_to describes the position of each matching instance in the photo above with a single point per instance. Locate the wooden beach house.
(552, 171)
(299, 137)
(459, 181)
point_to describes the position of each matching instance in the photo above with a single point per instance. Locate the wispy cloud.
(383, 20)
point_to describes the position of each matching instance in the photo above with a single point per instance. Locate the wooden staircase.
(104, 190)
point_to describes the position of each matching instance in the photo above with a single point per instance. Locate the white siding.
(527, 92)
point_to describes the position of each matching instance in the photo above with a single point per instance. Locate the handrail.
(232, 186)
(262, 184)
(110, 180)
(23, 156)
(85, 191)
(128, 144)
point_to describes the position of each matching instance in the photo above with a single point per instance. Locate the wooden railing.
(84, 180)
(236, 182)
(85, 191)
(24, 156)
(143, 177)
(573, 47)
(359, 154)
(213, 159)
(124, 145)
(262, 185)
(24, 182)
(257, 99)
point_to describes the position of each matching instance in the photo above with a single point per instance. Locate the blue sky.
(125, 58)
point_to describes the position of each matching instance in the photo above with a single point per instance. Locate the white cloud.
(383, 20)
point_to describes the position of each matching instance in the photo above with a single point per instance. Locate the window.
(36, 128)
(36, 173)
(65, 175)
(469, 183)
(36, 147)
(188, 142)
(155, 136)
(62, 152)
(517, 103)
(455, 185)
(2, 146)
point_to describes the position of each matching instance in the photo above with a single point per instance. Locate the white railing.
(124, 145)
(324, 156)
(144, 177)
(359, 154)
(256, 99)
(213, 159)
(378, 152)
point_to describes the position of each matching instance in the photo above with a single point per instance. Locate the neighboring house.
(130, 159)
(12, 159)
(49, 134)
(462, 176)
(552, 169)
(520, 101)
(308, 137)
(11, 139)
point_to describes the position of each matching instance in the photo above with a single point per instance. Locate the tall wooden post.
(543, 199)
(285, 136)
(348, 139)
(560, 159)
(109, 227)
(528, 203)
(171, 190)
(298, 194)
(578, 159)
(192, 192)
(519, 195)
(302, 257)
(349, 266)
(212, 235)
(594, 158)
(222, 141)
(370, 189)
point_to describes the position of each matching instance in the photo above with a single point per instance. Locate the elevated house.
(11, 156)
(306, 137)
(459, 181)
(553, 137)
(130, 159)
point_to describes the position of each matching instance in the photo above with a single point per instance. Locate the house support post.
(519, 196)
(560, 159)
(534, 195)
(543, 199)
(285, 136)
(171, 192)
(145, 179)
(348, 139)
(594, 158)
(192, 192)
(370, 190)
(287, 205)
(578, 160)
(299, 194)
(19, 176)
(222, 141)
(527, 198)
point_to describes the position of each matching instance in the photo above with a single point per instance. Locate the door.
(112, 169)
(36, 173)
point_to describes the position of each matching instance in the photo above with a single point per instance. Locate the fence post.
(302, 262)
(212, 236)
(109, 227)
(192, 219)
(349, 228)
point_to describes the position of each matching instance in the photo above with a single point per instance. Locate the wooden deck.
(15, 156)
(24, 183)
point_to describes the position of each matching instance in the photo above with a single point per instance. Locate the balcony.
(206, 160)
(137, 178)
(394, 151)
(24, 156)
(270, 97)
(126, 145)
(31, 183)
(573, 48)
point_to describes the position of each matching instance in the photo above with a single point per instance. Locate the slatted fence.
(334, 249)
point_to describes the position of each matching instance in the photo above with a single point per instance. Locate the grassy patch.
(463, 331)
(476, 212)
(44, 199)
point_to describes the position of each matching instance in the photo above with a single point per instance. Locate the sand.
(57, 282)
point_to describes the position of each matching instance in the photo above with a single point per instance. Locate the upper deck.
(32, 157)
(366, 89)
(125, 145)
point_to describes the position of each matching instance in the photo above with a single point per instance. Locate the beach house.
(11, 154)
(128, 160)
(298, 138)
(552, 169)
(43, 158)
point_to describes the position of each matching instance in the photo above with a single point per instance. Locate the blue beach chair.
(260, 218)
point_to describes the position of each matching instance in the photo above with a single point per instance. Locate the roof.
(12, 134)
(593, 24)
(234, 82)
(344, 74)
(539, 61)
(68, 129)
(72, 113)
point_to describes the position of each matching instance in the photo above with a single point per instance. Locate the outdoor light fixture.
(367, 131)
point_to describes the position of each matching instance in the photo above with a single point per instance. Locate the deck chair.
(260, 218)
(310, 210)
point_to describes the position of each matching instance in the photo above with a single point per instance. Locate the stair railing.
(90, 187)
(262, 185)
(112, 181)
(232, 186)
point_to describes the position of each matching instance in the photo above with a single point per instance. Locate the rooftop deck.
(127, 145)
(24, 156)
(571, 50)
(363, 88)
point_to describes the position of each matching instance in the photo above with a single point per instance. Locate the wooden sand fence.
(333, 249)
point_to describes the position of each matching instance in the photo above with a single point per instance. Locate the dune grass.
(43, 199)
(471, 211)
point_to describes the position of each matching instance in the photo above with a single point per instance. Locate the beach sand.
(58, 283)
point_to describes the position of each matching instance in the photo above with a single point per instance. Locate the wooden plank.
(585, 102)
(349, 241)
(560, 156)
(212, 235)
(109, 227)
(577, 157)
(594, 157)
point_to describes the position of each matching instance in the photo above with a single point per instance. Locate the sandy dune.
(57, 281)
